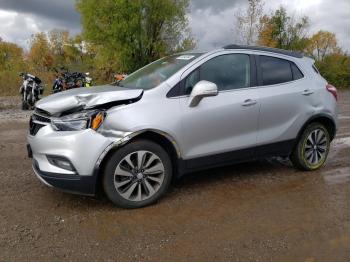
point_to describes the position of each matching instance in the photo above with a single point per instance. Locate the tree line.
(120, 36)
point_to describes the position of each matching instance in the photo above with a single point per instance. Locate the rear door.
(282, 97)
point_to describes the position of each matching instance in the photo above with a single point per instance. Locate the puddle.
(343, 117)
(338, 176)
(279, 161)
(339, 144)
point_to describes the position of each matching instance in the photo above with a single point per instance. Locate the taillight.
(331, 89)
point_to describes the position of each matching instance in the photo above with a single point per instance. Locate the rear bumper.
(75, 184)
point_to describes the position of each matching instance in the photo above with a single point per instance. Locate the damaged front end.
(67, 139)
(81, 108)
(101, 97)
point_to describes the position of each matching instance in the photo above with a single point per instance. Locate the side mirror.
(200, 90)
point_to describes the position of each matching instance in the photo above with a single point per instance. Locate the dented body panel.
(86, 98)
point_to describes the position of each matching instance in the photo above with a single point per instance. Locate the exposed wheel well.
(149, 135)
(163, 142)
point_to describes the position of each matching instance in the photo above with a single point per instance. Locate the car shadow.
(191, 181)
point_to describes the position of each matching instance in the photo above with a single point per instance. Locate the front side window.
(226, 71)
(275, 70)
(191, 81)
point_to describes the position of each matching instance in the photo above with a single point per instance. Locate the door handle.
(307, 92)
(249, 102)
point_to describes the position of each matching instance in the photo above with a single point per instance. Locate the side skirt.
(283, 148)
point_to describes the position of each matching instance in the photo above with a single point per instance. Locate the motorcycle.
(68, 80)
(87, 80)
(30, 90)
(57, 84)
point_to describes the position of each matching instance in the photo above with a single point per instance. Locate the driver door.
(222, 128)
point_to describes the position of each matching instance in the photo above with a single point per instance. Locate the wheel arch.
(324, 119)
(164, 140)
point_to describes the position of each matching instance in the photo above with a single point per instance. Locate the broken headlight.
(79, 121)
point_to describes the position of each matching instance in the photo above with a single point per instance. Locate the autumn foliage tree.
(40, 56)
(248, 22)
(322, 44)
(283, 31)
(335, 67)
(130, 34)
(11, 63)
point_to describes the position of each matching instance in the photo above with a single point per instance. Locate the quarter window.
(191, 81)
(297, 74)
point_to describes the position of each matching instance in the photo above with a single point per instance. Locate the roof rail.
(267, 49)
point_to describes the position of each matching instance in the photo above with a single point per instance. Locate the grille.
(41, 112)
(40, 118)
(34, 127)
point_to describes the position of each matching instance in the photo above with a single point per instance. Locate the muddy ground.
(260, 211)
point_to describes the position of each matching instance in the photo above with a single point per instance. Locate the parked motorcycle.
(57, 84)
(87, 80)
(30, 90)
(66, 80)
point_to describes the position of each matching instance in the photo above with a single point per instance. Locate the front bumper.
(83, 149)
(82, 185)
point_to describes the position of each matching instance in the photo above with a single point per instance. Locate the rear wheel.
(312, 148)
(137, 174)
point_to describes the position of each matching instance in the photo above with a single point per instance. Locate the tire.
(310, 156)
(31, 101)
(125, 176)
(24, 105)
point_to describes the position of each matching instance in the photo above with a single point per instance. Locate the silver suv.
(183, 113)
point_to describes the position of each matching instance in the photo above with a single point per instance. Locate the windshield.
(157, 72)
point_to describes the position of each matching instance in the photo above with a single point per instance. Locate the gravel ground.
(260, 211)
(10, 110)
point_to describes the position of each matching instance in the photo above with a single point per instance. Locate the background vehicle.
(184, 113)
(30, 90)
(66, 80)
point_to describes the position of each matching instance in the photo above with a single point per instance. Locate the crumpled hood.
(85, 98)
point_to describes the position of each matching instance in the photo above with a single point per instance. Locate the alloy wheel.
(139, 175)
(315, 149)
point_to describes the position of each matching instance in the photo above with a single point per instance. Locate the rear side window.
(275, 70)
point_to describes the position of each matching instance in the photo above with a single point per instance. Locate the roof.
(266, 49)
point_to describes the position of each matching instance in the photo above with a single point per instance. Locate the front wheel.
(24, 105)
(137, 175)
(312, 149)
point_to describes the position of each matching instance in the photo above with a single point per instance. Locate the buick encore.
(183, 113)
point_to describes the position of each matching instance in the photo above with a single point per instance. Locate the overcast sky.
(211, 21)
